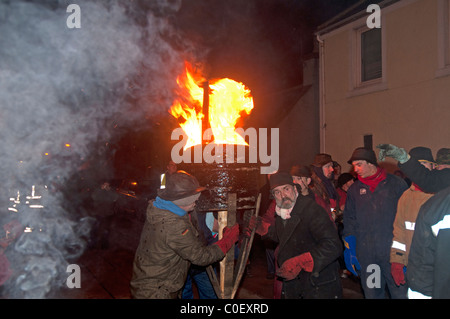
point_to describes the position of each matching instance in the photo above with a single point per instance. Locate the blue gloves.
(351, 262)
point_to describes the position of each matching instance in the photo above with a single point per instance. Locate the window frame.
(443, 34)
(357, 86)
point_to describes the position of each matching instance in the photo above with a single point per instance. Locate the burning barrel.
(212, 109)
(222, 179)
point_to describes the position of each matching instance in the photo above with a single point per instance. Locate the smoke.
(65, 94)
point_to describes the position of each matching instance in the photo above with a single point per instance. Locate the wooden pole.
(227, 218)
(222, 219)
(247, 246)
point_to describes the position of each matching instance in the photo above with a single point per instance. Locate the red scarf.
(375, 179)
(417, 187)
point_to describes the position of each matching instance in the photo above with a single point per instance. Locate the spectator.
(171, 169)
(345, 180)
(301, 176)
(443, 158)
(429, 181)
(337, 171)
(322, 176)
(428, 272)
(407, 210)
(368, 224)
(308, 244)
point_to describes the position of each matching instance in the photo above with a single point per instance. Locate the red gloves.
(398, 273)
(291, 268)
(261, 226)
(230, 236)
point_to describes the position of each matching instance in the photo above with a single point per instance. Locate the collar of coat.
(168, 205)
(291, 224)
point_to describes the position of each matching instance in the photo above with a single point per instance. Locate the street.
(106, 271)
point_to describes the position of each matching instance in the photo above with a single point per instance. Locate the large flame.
(228, 99)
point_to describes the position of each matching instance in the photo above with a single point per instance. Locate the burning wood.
(226, 101)
(215, 107)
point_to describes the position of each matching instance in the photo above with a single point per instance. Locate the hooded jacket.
(169, 244)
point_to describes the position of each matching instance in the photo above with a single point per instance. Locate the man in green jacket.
(169, 242)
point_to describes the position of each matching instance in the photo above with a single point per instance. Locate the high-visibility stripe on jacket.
(407, 209)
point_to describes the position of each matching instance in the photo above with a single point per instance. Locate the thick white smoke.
(74, 86)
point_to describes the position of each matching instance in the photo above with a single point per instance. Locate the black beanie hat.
(363, 154)
(421, 153)
(280, 178)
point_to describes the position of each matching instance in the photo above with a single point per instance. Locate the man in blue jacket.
(368, 224)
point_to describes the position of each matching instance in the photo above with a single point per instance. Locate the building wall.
(412, 107)
(299, 139)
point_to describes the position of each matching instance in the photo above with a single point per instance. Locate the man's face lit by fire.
(363, 168)
(328, 170)
(285, 195)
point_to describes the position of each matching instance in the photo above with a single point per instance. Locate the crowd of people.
(318, 224)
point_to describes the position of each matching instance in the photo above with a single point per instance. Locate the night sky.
(261, 43)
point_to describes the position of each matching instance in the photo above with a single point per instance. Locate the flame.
(188, 107)
(228, 99)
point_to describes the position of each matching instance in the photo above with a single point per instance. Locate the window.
(443, 38)
(371, 55)
(367, 60)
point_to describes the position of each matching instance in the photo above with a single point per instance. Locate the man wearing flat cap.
(169, 242)
(369, 215)
(308, 243)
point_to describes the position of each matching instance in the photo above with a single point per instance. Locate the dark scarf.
(327, 183)
(375, 179)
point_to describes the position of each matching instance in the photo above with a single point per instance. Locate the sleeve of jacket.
(429, 181)
(184, 241)
(271, 234)
(398, 249)
(328, 245)
(349, 222)
(420, 270)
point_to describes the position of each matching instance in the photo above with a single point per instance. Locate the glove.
(393, 151)
(398, 273)
(230, 236)
(261, 226)
(291, 268)
(351, 262)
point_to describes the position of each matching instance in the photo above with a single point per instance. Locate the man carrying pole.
(169, 242)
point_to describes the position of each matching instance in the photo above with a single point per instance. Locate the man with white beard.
(308, 243)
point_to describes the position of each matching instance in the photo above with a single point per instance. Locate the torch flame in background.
(188, 106)
(227, 100)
